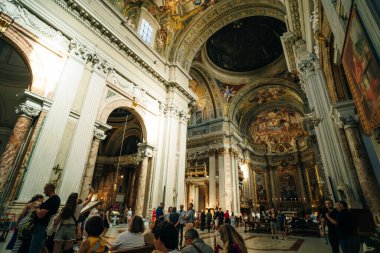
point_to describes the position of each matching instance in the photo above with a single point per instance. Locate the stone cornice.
(96, 26)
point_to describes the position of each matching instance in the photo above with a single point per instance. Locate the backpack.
(26, 227)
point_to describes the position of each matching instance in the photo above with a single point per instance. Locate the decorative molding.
(145, 150)
(344, 114)
(99, 134)
(27, 110)
(23, 17)
(96, 26)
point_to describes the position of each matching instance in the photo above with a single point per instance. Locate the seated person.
(132, 238)
(148, 234)
(194, 244)
(93, 244)
(165, 237)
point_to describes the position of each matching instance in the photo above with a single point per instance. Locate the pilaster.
(211, 178)
(47, 146)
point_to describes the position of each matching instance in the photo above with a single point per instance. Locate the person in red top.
(227, 217)
(154, 215)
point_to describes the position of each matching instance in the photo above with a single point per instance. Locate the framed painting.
(363, 74)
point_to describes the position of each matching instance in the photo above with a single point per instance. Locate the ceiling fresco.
(173, 16)
(246, 44)
(278, 129)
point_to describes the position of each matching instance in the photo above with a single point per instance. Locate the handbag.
(26, 226)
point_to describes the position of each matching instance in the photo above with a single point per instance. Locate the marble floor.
(255, 242)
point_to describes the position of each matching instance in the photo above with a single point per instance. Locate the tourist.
(194, 244)
(165, 237)
(153, 215)
(332, 232)
(170, 210)
(232, 241)
(94, 243)
(174, 218)
(44, 212)
(346, 228)
(129, 215)
(273, 222)
(106, 219)
(203, 220)
(227, 217)
(221, 217)
(216, 220)
(160, 211)
(281, 223)
(132, 238)
(21, 245)
(182, 214)
(233, 219)
(208, 220)
(190, 217)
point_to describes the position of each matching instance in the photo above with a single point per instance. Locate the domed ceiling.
(246, 44)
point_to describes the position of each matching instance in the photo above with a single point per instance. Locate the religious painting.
(278, 129)
(363, 74)
(287, 185)
(261, 189)
(198, 117)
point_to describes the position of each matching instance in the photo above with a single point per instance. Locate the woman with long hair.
(232, 241)
(68, 218)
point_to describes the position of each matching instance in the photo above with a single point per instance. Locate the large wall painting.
(278, 129)
(363, 74)
(261, 189)
(287, 185)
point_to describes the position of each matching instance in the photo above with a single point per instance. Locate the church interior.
(239, 104)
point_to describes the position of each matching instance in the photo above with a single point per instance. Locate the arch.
(184, 48)
(120, 102)
(14, 36)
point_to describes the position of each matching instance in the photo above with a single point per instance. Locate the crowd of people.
(42, 227)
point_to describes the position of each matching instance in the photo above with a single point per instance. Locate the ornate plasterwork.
(23, 17)
(293, 17)
(202, 27)
(99, 134)
(27, 110)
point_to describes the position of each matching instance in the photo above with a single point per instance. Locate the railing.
(197, 171)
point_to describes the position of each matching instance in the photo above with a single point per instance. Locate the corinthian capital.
(27, 110)
(99, 134)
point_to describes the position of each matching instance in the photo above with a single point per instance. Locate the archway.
(15, 77)
(118, 164)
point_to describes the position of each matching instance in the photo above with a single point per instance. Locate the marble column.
(27, 110)
(47, 145)
(145, 152)
(268, 188)
(234, 181)
(272, 186)
(335, 161)
(91, 161)
(211, 178)
(347, 119)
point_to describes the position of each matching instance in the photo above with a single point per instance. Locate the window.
(146, 31)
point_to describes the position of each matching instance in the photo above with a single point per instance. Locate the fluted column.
(181, 184)
(146, 153)
(211, 178)
(222, 189)
(347, 118)
(47, 146)
(335, 162)
(27, 110)
(81, 143)
(90, 166)
(234, 181)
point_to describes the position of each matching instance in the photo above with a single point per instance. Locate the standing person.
(208, 220)
(233, 242)
(332, 232)
(182, 214)
(44, 212)
(153, 215)
(346, 228)
(129, 215)
(106, 219)
(165, 238)
(216, 220)
(194, 244)
(190, 217)
(227, 217)
(203, 220)
(221, 217)
(233, 219)
(19, 244)
(174, 218)
(170, 210)
(160, 211)
(273, 223)
(281, 223)
(67, 232)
